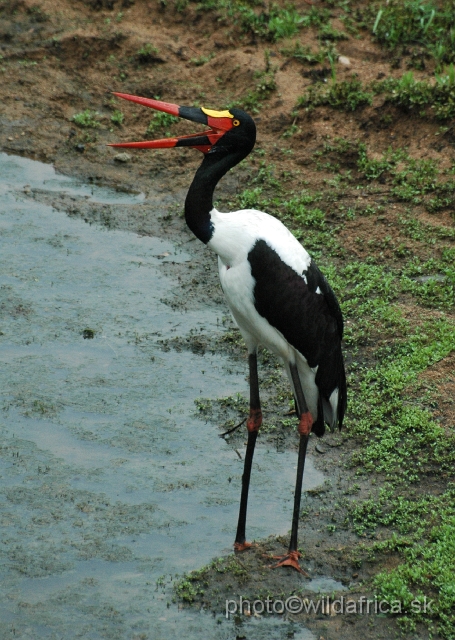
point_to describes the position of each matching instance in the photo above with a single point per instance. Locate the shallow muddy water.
(109, 479)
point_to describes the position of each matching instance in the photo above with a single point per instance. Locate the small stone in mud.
(88, 334)
(320, 449)
(122, 157)
(438, 277)
(80, 147)
(344, 61)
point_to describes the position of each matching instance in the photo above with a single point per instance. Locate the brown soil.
(57, 61)
(439, 380)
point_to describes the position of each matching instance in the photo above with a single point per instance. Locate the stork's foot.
(242, 546)
(290, 560)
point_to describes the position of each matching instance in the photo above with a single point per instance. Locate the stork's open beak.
(218, 121)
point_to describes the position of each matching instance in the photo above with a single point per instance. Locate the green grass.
(400, 439)
(426, 27)
(347, 95)
(201, 60)
(417, 181)
(433, 559)
(425, 525)
(272, 22)
(402, 442)
(424, 98)
(303, 54)
(161, 120)
(409, 180)
(419, 29)
(273, 25)
(189, 587)
(330, 34)
(117, 117)
(397, 431)
(147, 53)
(87, 119)
(372, 169)
(264, 86)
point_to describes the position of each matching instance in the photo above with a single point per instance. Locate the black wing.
(311, 322)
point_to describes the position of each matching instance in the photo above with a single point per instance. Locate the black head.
(231, 131)
(240, 139)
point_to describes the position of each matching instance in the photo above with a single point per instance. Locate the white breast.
(236, 233)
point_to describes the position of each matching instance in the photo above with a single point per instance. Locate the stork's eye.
(236, 123)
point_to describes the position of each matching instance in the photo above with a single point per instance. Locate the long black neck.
(199, 200)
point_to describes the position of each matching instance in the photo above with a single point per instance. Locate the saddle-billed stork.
(277, 295)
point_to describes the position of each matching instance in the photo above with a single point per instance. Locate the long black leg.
(303, 412)
(300, 402)
(253, 423)
(298, 492)
(305, 424)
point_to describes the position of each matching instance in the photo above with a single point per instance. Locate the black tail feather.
(319, 425)
(343, 397)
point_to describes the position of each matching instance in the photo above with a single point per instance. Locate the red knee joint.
(254, 420)
(305, 424)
